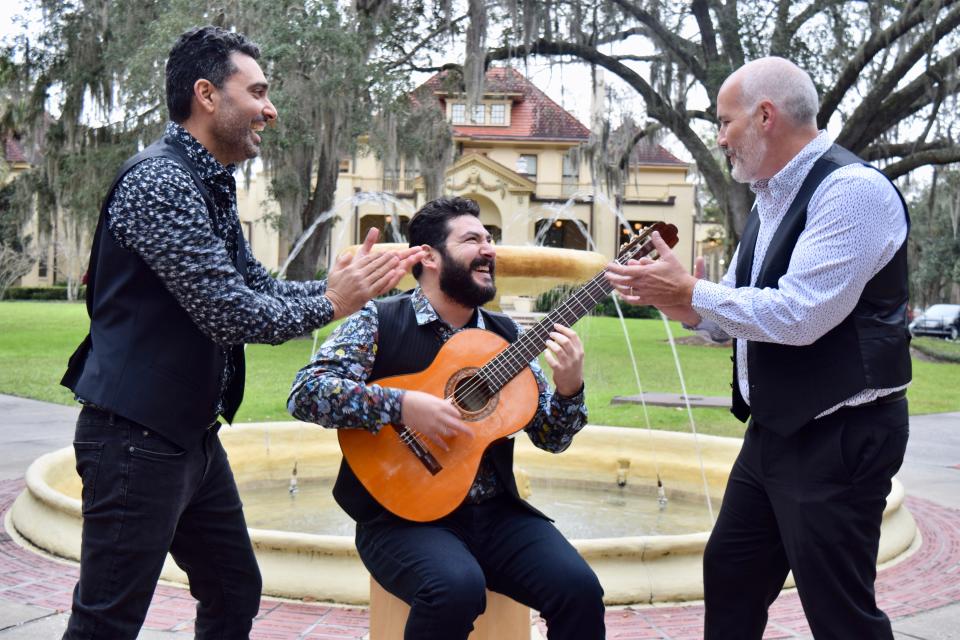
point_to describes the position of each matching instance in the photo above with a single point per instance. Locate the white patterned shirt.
(855, 225)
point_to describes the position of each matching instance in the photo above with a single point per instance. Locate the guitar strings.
(530, 342)
(499, 373)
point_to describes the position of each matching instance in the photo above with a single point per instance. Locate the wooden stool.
(504, 619)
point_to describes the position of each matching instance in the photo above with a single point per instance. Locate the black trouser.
(442, 568)
(811, 503)
(144, 496)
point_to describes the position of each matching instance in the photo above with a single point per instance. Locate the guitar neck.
(533, 341)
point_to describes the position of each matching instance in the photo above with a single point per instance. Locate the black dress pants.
(144, 496)
(811, 503)
(442, 568)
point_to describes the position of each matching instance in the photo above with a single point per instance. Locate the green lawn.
(37, 337)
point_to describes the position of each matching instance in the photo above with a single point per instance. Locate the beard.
(232, 132)
(748, 156)
(457, 283)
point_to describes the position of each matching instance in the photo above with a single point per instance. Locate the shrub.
(938, 349)
(56, 292)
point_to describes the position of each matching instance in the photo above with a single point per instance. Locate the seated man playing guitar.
(493, 538)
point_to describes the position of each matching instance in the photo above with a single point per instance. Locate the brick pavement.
(927, 580)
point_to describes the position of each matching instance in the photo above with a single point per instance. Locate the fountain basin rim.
(651, 568)
(34, 479)
(332, 544)
(274, 539)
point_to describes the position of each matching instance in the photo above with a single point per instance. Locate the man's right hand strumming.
(436, 418)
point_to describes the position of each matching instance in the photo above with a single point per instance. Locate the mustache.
(484, 262)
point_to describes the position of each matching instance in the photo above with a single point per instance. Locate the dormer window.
(486, 114)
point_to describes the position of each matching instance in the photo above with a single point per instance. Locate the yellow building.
(516, 157)
(41, 273)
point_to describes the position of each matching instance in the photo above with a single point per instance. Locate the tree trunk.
(306, 263)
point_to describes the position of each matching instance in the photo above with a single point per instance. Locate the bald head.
(767, 111)
(781, 82)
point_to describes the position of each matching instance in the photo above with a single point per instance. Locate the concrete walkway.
(931, 473)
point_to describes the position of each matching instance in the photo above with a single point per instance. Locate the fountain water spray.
(293, 480)
(386, 200)
(364, 197)
(565, 211)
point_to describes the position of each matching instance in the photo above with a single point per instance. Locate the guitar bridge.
(412, 442)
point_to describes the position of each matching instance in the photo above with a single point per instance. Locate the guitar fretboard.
(511, 361)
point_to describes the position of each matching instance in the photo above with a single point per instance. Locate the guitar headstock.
(641, 244)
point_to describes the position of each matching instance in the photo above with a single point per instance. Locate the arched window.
(565, 234)
(392, 228)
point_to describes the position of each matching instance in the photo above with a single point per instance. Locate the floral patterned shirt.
(332, 390)
(158, 212)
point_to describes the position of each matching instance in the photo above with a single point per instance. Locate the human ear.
(431, 257)
(767, 112)
(203, 93)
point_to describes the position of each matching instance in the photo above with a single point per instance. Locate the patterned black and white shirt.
(158, 212)
(855, 225)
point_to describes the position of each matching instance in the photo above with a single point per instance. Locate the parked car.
(939, 320)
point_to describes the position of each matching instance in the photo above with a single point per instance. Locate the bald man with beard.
(815, 301)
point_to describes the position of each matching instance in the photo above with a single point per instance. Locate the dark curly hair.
(429, 224)
(201, 52)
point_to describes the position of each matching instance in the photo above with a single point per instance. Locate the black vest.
(405, 347)
(144, 358)
(869, 349)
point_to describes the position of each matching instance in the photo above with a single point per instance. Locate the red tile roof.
(649, 153)
(534, 115)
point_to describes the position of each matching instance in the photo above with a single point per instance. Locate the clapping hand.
(355, 279)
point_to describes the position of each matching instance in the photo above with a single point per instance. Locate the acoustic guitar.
(492, 385)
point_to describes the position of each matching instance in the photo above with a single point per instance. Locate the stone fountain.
(648, 568)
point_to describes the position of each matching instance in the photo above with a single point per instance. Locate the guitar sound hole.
(471, 394)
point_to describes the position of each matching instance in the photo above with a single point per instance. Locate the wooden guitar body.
(495, 391)
(399, 480)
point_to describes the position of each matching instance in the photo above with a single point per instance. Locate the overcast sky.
(568, 84)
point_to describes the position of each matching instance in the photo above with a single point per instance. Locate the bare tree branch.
(708, 35)
(884, 150)
(914, 14)
(934, 156)
(882, 89)
(701, 115)
(786, 29)
(867, 126)
(728, 19)
(622, 35)
(633, 58)
(424, 42)
(681, 48)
